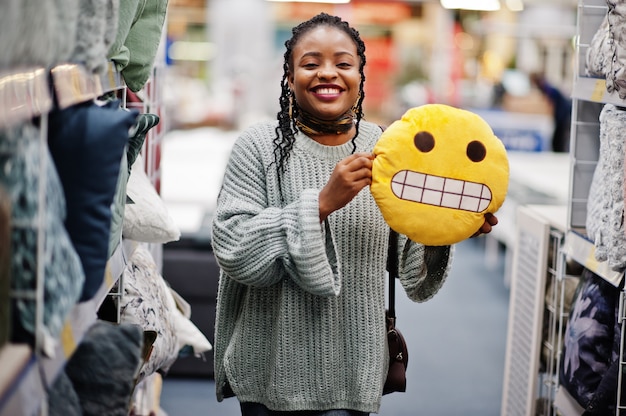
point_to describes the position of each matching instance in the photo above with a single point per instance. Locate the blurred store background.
(223, 63)
(225, 56)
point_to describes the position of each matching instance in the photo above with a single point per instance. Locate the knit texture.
(300, 309)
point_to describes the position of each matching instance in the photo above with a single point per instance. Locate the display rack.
(537, 313)
(529, 387)
(28, 372)
(588, 98)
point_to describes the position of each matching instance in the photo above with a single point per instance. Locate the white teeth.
(327, 91)
(441, 191)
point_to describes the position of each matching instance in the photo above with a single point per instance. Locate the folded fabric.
(140, 25)
(147, 219)
(87, 142)
(21, 160)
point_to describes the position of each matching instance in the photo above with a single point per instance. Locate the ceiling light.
(487, 5)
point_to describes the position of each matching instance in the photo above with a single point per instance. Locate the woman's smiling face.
(325, 75)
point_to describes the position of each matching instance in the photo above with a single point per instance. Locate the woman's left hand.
(490, 221)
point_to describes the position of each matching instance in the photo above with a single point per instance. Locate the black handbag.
(398, 351)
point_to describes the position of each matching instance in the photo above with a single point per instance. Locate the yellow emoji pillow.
(438, 171)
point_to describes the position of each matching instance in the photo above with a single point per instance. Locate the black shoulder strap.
(392, 268)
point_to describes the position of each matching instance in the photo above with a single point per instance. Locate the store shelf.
(112, 79)
(73, 84)
(21, 382)
(594, 89)
(580, 249)
(22, 393)
(24, 94)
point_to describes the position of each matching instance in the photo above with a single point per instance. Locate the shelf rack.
(537, 313)
(26, 93)
(589, 95)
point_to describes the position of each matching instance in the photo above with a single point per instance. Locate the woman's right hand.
(348, 178)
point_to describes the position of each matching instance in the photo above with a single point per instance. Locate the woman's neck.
(333, 139)
(313, 126)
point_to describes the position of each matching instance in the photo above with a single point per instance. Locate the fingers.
(357, 169)
(349, 177)
(490, 221)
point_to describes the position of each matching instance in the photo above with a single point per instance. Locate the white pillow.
(187, 332)
(147, 219)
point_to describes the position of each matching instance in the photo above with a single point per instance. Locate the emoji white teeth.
(440, 191)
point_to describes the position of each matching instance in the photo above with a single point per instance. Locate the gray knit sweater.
(301, 305)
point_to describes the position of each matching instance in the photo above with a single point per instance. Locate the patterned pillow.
(146, 302)
(21, 158)
(588, 346)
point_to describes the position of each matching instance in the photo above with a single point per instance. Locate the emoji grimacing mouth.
(441, 191)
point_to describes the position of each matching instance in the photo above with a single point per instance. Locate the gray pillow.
(104, 366)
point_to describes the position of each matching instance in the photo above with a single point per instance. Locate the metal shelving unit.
(27, 372)
(537, 313)
(589, 96)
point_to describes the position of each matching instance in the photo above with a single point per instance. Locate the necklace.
(313, 126)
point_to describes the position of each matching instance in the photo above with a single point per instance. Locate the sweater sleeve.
(423, 269)
(258, 244)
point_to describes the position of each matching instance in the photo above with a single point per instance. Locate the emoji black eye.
(424, 141)
(476, 151)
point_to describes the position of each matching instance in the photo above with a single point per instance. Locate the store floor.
(456, 342)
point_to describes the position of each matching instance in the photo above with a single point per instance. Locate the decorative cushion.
(135, 142)
(21, 159)
(438, 171)
(104, 366)
(616, 68)
(589, 345)
(146, 302)
(597, 59)
(97, 22)
(145, 123)
(62, 398)
(87, 142)
(118, 207)
(147, 218)
(605, 204)
(137, 39)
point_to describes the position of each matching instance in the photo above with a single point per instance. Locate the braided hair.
(286, 129)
